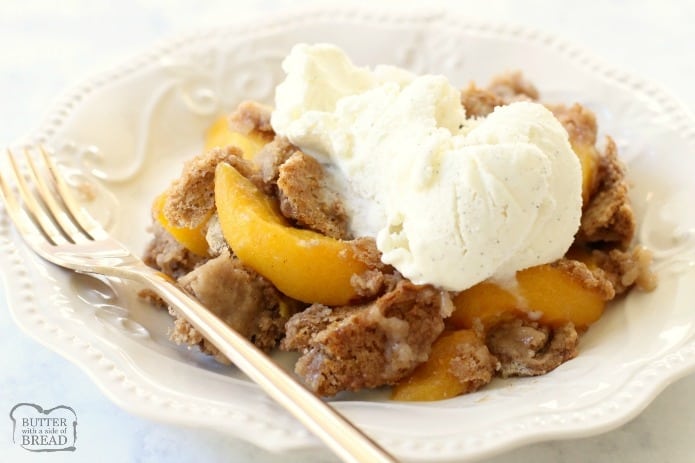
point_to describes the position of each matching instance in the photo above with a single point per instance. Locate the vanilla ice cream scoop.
(451, 201)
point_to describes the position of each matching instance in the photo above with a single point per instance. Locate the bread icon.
(44, 430)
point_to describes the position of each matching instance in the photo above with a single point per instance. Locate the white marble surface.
(46, 46)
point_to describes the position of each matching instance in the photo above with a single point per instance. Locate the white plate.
(131, 128)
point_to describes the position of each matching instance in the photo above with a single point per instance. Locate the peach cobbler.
(395, 231)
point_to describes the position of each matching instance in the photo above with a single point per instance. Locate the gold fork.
(58, 229)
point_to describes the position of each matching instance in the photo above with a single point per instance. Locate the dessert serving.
(394, 230)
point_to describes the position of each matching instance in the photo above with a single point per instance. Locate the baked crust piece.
(270, 158)
(579, 122)
(625, 269)
(526, 348)
(240, 297)
(375, 344)
(190, 199)
(473, 365)
(595, 280)
(503, 89)
(479, 102)
(251, 116)
(167, 255)
(379, 277)
(608, 218)
(305, 199)
(513, 86)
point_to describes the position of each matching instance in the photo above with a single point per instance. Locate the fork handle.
(343, 438)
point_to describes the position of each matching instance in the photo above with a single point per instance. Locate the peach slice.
(303, 264)
(436, 379)
(550, 294)
(192, 239)
(588, 157)
(219, 134)
(485, 302)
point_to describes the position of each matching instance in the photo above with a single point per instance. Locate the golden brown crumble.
(251, 116)
(595, 280)
(579, 122)
(474, 365)
(190, 199)
(305, 199)
(370, 345)
(479, 102)
(526, 348)
(608, 218)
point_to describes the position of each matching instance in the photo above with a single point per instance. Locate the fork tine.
(42, 219)
(27, 228)
(81, 216)
(62, 218)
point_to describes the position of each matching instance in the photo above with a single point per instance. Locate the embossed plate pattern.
(125, 133)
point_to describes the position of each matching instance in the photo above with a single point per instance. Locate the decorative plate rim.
(137, 398)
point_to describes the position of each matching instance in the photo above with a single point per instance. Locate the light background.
(47, 46)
